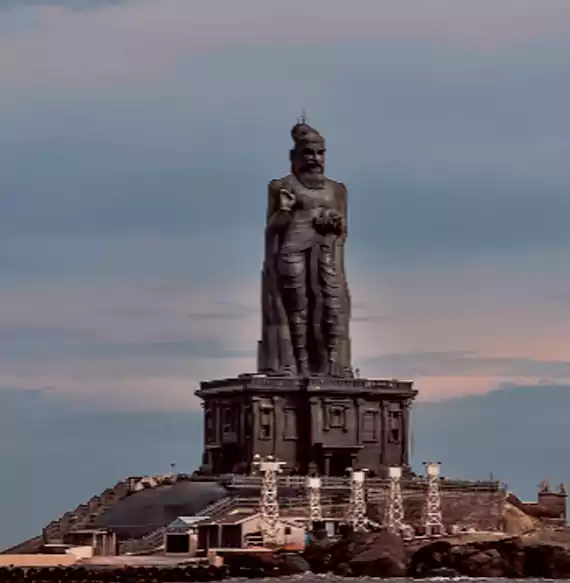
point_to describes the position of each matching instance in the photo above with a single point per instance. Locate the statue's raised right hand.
(287, 200)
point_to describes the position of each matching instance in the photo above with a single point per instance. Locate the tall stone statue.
(305, 297)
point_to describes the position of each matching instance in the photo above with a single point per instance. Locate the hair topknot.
(303, 133)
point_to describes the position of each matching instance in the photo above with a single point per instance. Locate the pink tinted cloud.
(478, 323)
(142, 40)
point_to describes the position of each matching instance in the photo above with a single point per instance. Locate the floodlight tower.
(394, 512)
(433, 522)
(315, 508)
(269, 504)
(357, 505)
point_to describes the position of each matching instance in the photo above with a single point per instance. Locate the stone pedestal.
(327, 424)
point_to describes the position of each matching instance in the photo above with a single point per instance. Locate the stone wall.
(463, 507)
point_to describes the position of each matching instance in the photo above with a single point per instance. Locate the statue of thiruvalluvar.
(305, 297)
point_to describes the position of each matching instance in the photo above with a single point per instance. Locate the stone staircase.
(150, 543)
(218, 508)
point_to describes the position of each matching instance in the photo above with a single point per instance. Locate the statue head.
(308, 154)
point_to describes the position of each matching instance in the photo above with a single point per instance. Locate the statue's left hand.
(335, 222)
(287, 200)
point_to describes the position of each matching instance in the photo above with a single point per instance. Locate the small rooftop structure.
(184, 523)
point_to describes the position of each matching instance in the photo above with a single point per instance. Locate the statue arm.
(343, 208)
(276, 216)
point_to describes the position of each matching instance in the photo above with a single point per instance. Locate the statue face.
(310, 158)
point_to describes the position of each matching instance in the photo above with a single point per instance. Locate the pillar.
(327, 464)
(383, 431)
(405, 456)
(316, 420)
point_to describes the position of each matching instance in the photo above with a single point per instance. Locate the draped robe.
(275, 352)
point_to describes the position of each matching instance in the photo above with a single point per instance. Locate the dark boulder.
(318, 550)
(513, 558)
(293, 565)
(370, 554)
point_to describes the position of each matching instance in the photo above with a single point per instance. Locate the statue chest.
(308, 199)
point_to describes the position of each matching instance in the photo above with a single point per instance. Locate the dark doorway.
(339, 462)
(178, 543)
(228, 457)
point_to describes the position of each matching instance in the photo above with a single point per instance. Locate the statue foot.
(288, 372)
(334, 369)
(303, 369)
(330, 369)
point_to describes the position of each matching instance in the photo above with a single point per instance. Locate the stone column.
(358, 404)
(218, 420)
(255, 425)
(405, 455)
(383, 431)
(278, 426)
(316, 420)
(353, 460)
(327, 464)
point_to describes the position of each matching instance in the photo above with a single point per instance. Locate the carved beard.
(310, 179)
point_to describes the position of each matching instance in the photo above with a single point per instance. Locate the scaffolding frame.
(433, 520)
(269, 469)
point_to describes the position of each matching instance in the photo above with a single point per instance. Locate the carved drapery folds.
(305, 298)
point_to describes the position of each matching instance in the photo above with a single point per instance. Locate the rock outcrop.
(476, 556)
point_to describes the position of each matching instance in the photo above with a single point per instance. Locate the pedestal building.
(320, 425)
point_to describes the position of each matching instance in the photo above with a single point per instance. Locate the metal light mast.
(315, 509)
(433, 522)
(268, 504)
(394, 512)
(357, 506)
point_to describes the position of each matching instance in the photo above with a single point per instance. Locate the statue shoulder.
(339, 187)
(278, 183)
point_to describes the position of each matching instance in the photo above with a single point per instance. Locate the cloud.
(451, 144)
(442, 364)
(31, 344)
(147, 343)
(126, 345)
(67, 4)
(145, 39)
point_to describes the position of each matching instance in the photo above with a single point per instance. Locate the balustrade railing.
(330, 482)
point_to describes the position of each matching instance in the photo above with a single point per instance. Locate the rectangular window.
(290, 422)
(336, 417)
(370, 426)
(248, 422)
(228, 424)
(265, 423)
(209, 423)
(394, 426)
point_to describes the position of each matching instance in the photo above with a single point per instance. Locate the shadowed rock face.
(379, 555)
(148, 510)
(510, 557)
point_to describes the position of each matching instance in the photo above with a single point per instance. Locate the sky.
(137, 141)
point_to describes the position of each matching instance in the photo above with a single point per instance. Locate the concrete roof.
(186, 520)
(148, 510)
